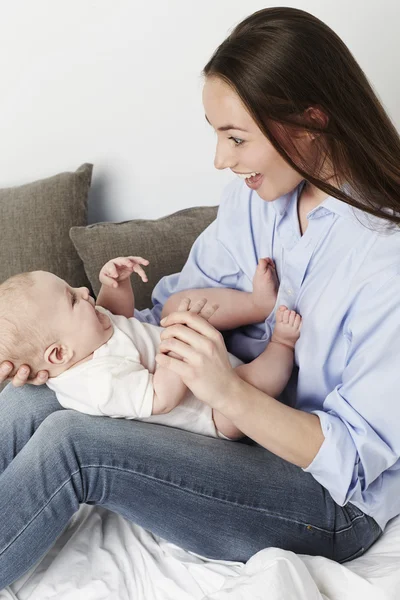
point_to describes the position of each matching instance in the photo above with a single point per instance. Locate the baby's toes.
(297, 322)
(292, 317)
(279, 314)
(262, 265)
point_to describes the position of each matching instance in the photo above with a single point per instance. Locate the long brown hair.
(281, 62)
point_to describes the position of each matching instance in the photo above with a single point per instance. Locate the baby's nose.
(85, 292)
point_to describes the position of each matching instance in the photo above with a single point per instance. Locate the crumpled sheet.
(101, 556)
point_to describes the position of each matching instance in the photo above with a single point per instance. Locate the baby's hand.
(119, 269)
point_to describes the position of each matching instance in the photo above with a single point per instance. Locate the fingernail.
(164, 320)
(5, 369)
(23, 371)
(42, 376)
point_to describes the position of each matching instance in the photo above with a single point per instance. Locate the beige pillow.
(35, 220)
(166, 242)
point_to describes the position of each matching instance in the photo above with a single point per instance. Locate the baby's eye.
(237, 141)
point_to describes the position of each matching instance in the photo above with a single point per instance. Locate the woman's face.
(241, 145)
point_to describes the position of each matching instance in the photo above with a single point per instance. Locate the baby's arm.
(116, 293)
(270, 372)
(169, 390)
(236, 308)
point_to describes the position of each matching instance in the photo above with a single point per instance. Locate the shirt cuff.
(334, 464)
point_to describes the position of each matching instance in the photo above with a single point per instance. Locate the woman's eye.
(237, 141)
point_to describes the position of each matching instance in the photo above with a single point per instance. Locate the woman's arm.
(235, 308)
(351, 439)
(293, 435)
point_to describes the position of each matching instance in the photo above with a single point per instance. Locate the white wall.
(117, 83)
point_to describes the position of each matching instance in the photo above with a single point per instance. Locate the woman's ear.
(58, 354)
(315, 116)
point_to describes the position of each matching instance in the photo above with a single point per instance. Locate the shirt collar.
(329, 205)
(281, 204)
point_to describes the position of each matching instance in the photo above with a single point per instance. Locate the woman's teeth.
(247, 175)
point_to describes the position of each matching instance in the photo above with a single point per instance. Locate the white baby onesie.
(118, 380)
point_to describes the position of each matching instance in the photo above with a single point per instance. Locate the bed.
(101, 556)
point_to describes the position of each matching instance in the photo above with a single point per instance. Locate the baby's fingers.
(139, 260)
(138, 269)
(108, 278)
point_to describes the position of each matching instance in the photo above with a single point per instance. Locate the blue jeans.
(221, 499)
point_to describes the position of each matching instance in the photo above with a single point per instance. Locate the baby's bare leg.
(270, 372)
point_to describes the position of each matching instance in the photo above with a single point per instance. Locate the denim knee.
(28, 398)
(63, 425)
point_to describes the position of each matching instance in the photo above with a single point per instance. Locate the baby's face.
(71, 315)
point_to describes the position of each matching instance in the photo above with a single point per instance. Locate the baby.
(101, 360)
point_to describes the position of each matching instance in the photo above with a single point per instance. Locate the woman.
(289, 103)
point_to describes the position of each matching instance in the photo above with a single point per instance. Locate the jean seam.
(38, 512)
(351, 524)
(189, 491)
(168, 483)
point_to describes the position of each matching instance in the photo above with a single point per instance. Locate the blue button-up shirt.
(343, 277)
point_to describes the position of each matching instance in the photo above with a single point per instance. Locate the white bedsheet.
(100, 556)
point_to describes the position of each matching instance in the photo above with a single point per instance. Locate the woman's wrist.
(231, 401)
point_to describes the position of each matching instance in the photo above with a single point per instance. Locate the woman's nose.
(223, 158)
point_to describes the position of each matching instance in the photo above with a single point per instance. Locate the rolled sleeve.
(360, 417)
(335, 464)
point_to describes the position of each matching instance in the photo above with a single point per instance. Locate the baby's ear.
(57, 354)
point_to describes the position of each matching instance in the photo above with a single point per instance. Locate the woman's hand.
(204, 364)
(199, 307)
(21, 376)
(121, 268)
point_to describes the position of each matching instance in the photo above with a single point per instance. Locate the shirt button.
(289, 291)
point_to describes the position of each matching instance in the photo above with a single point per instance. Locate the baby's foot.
(287, 327)
(265, 285)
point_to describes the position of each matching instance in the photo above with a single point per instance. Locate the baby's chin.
(104, 319)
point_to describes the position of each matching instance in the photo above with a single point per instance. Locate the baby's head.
(47, 324)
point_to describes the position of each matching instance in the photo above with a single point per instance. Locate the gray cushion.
(35, 220)
(165, 242)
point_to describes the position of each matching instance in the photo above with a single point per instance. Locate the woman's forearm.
(120, 300)
(236, 308)
(292, 434)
